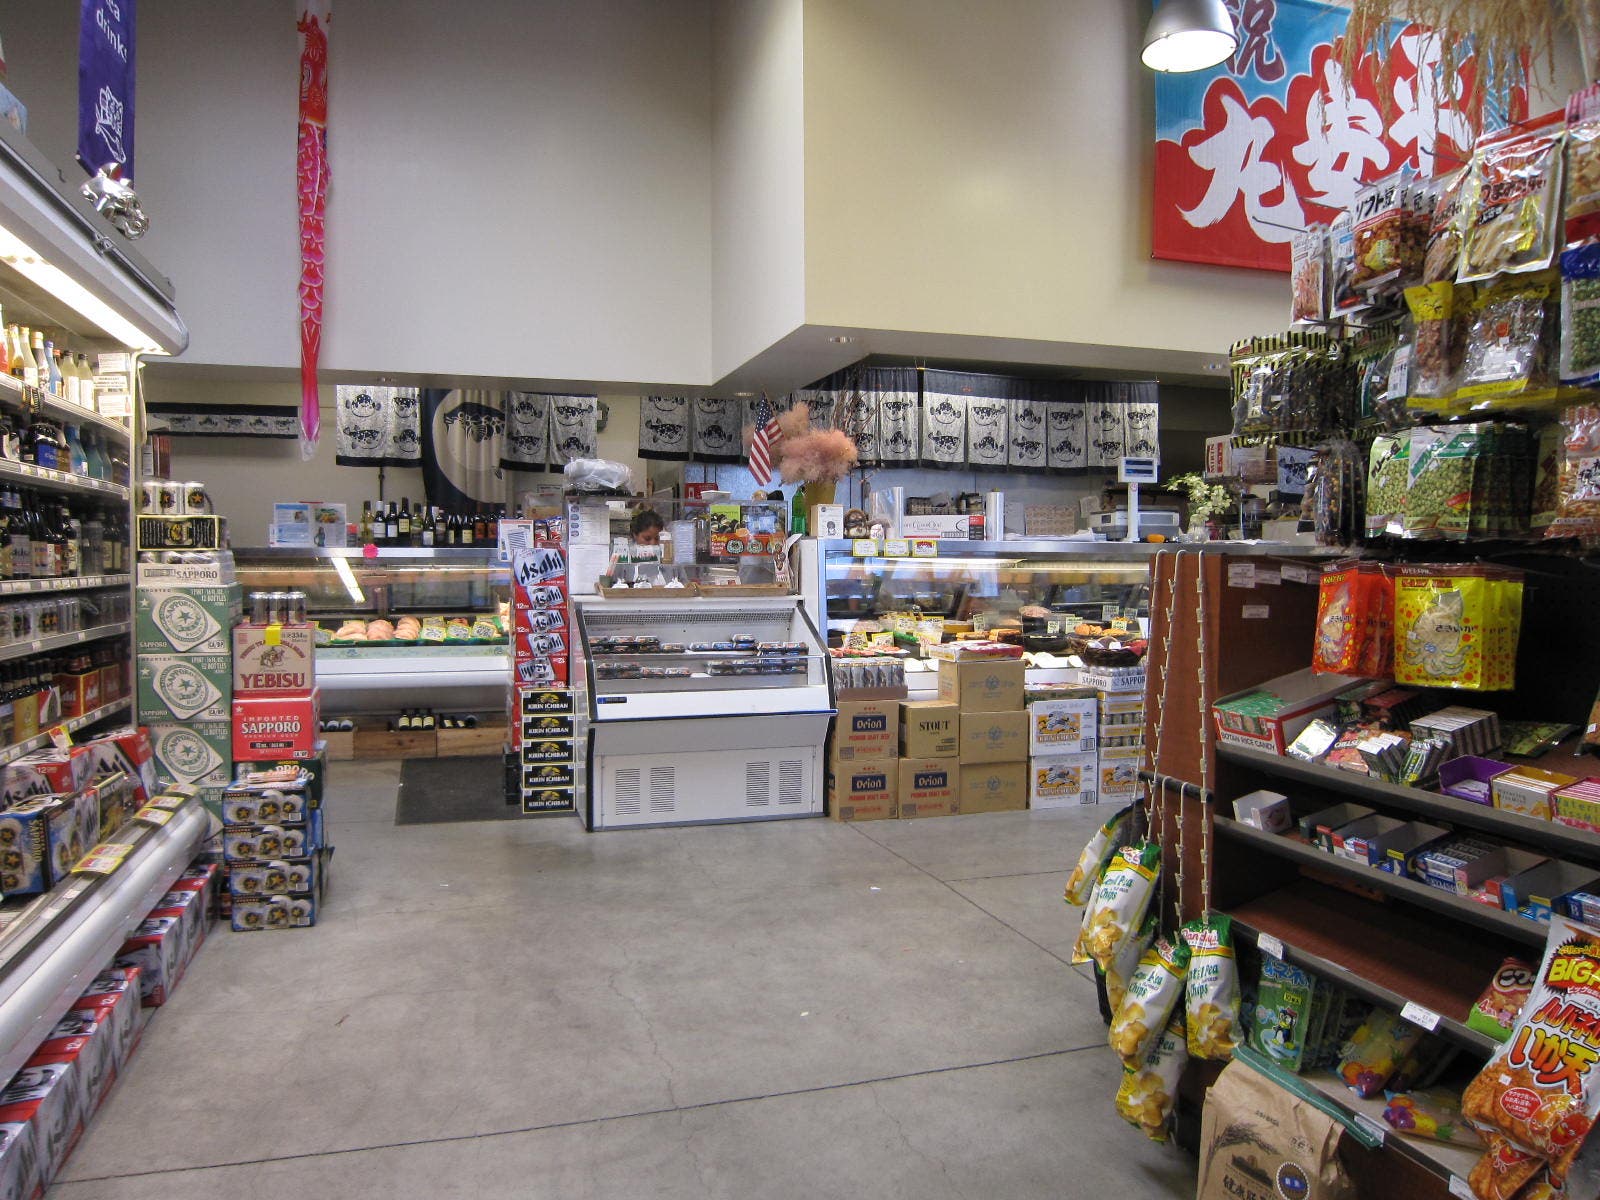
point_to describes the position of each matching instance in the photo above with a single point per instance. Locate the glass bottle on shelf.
(426, 524)
(71, 543)
(15, 352)
(69, 376)
(441, 528)
(41, 364)
(365, 528)
(797, 510)
(391, 525)
(29, 370)
(480, 527)
(39, 539)
(77, 459)
(466, 529)
(52, 367)
(18, 531)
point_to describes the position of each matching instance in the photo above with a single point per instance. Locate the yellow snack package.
(1126, 962)
(1211, 990)
(1096, 854)
(1119, 903)
(1147, 1092)
(1154, 992)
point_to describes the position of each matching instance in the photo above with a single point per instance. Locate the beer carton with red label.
(273, 660)
(276, 727)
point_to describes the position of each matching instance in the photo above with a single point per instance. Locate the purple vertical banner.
(105, 86)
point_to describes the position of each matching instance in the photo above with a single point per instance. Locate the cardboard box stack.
(864, 761)
(993, 732)
(1062, 739)
(930, 772)
(1120, 691)
(277, 705)
(543, 721)
(275, 844)
(184, 614)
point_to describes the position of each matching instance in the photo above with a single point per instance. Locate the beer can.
(277, 607)
(169, 498)
(296, 608)
(258, 608)
(150, 496)
(196, 500)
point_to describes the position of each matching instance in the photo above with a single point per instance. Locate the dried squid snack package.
(1127, 961)
(1513, 215)
(1441, 627)
(1578, 513)
(1580, 315)
(1096, 854)
(1341, 619)
(1308, 273)
(1154, 994)
(1120, 902)
(1148, 1091)
(1444, 230)
(1211, 989)
(1541, 1089)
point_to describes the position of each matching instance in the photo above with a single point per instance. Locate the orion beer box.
(273, 659)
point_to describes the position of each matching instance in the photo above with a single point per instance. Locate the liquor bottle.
(21, 543)
(30, 364)
(44, 551)
(403, 522)
(86, 385)
(52, 365)
(494, 524)
(405, 721)
(6, 567)
(365, 533)
(428, 721)
(41, 364)
(480, 527)
(441, 529)
(391, 525)
(69, 377)
(77, 458)
(71, 543)
(15, 352)
(425, 522)
(466, 529)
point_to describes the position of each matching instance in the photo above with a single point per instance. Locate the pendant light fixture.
(1188, 35)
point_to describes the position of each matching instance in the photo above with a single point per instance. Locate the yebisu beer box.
(273, 660)
(192, 620)
(185, 687)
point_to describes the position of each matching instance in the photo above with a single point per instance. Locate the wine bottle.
(71, 544)
(428, 721)
(391, 525)
(425, 521)
(21, 544)
(403, 522)
(41, 364)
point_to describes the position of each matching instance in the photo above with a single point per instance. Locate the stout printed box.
(191, 620)
(273, 660)
(276, 727)
(198, 753)
(184, 687)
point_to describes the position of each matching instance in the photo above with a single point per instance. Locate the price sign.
(1242, 574)
(1269, 945)
(1376, 1129)
(1461, 1189)
(103, 859)
(1417, 1015)
(153, 814)
(1297, 574)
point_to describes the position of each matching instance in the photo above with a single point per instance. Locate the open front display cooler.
(702, 709)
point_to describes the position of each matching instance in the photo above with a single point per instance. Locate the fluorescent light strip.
(341, 568)
(27, 262)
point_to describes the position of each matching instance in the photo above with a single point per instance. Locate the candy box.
(1269, 717)
(1460, 865)
(156, 948)
(1527, 790)
(1468, 778)
(129, 751)
(1317, 828)
(1366, 839)
(40, 1100)
(1265, 810)
(113, 998)
(1541, 892)
(1404, 845)
(184, 687)
(276, 727)
(1578, 805)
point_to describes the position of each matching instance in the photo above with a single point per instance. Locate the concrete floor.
(519, 1008)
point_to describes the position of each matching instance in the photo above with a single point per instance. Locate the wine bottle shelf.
(60, 481)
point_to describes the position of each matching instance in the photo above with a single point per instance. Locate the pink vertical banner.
(311, 187)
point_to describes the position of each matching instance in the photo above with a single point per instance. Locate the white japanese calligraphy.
(1234, 157)
(1424, 114)
(1343, 134)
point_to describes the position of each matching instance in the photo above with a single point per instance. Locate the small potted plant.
(1207, 501)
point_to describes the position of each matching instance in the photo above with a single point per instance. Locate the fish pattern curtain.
(1141, 420)
(527, 439)
(716, 432)
(377, 426)
(574, 428)
(1107, 425)
(1066, 435)
(895, 394)
(664, 428)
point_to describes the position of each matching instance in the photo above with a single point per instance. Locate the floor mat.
(436, 791)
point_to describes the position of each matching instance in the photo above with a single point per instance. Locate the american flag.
(763, 441)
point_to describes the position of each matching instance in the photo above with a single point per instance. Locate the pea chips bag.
(1126, 962)
(1119, 903)
(1096, 854)
(1147, 1092)
(1155, 990)
(1211, 990)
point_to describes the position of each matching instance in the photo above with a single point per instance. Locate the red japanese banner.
(311, 190)
(1277, 138)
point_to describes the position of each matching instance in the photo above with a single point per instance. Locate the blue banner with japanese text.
(105, 85)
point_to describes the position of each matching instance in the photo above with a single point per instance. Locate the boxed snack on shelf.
(1578, 805)
(1470, 777)
(994, 787)
(1528, 790)
(988, 737)
(864, 791)
(1405, 845)
(1063, 725)
(1264, 810)
(1063, 780)
(184, 687)
(1271, 716)
(185, 620)
(1541, 892)
(929, 787)
(1495, 1012)
(929, 729)
(1366, 840)
(1468, 730)
(1460, 864)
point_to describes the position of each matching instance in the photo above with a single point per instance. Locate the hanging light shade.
(1188, 35)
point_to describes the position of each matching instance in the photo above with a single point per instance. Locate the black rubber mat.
(437, 791)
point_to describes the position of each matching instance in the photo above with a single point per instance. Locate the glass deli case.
(459, 662)
(709, 709)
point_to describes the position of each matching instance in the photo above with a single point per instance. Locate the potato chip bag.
(1541, 1089)
(1154, 991)
(1211, 991)
(1126, 961)
(1120, 901)
(1146, 1095)
(1094, 858)
(1375, 1050)
(1433, 1115)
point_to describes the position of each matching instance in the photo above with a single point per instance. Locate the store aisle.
(522, 1009)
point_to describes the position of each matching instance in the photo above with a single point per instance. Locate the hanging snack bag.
(1444, 229)
(1457, 627)
(1308, 272)
(1388, 472)
(1505, 353)
(1578, 515)
(1512, 207)
(1147, 1092)
(1211, 992)
(1583, 165)
(1282, 1016)
(1095, 856)
(1437, 353)
(1154, 993)
(1127, 960)
(1548, 453)
(1119, 904)
(1374, 1051)
(1580, 315)
(1342, 294)
(1541, 1089)
(1433, 1115)
(1380, 215)
(1341, 619)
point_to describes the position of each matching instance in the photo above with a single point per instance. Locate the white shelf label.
(1296, 574)
(1269, 945)
(1418, 1015)
(1376, 1128)
(1255, 612)
(1242, 575)
(1268, 576)
(1461, 1189)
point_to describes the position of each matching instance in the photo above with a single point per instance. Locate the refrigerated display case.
(380, 677)
(709, 709)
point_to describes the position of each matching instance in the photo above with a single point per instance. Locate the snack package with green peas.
(1580, 315)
